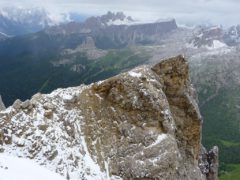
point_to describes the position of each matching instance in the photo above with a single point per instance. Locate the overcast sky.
(224, 12)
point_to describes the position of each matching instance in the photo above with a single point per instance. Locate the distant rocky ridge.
(216, 36)
(207, 36)
(92, 24)
(107, 34)
(142, 124)
(118, 18)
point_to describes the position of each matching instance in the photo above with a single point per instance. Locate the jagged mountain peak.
(144, 123)
(111, 18)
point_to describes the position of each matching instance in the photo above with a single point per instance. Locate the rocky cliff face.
(142, 124)
(207, 37)
(114, 31)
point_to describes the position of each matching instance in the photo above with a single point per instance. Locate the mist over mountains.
(40, 54)
(19, 21)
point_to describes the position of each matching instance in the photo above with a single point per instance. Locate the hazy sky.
(224, 12)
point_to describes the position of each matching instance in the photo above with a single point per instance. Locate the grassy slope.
(233, 172)
(29, 75)
(218, 79)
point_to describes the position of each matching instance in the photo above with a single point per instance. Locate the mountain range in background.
(68, 53)
(16, 21)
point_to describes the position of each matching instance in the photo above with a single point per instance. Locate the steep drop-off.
(142, 124)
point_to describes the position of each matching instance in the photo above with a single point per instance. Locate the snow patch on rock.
(135, 74)
(14, 168)
(216, 45)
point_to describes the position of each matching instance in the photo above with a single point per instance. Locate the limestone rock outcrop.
(142, 124)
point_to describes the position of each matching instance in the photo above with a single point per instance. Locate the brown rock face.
(143, 124)
(180, 95)
(143, 106)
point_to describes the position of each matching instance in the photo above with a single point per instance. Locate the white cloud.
(185, 11)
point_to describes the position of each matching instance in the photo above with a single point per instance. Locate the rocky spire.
(2, 106)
